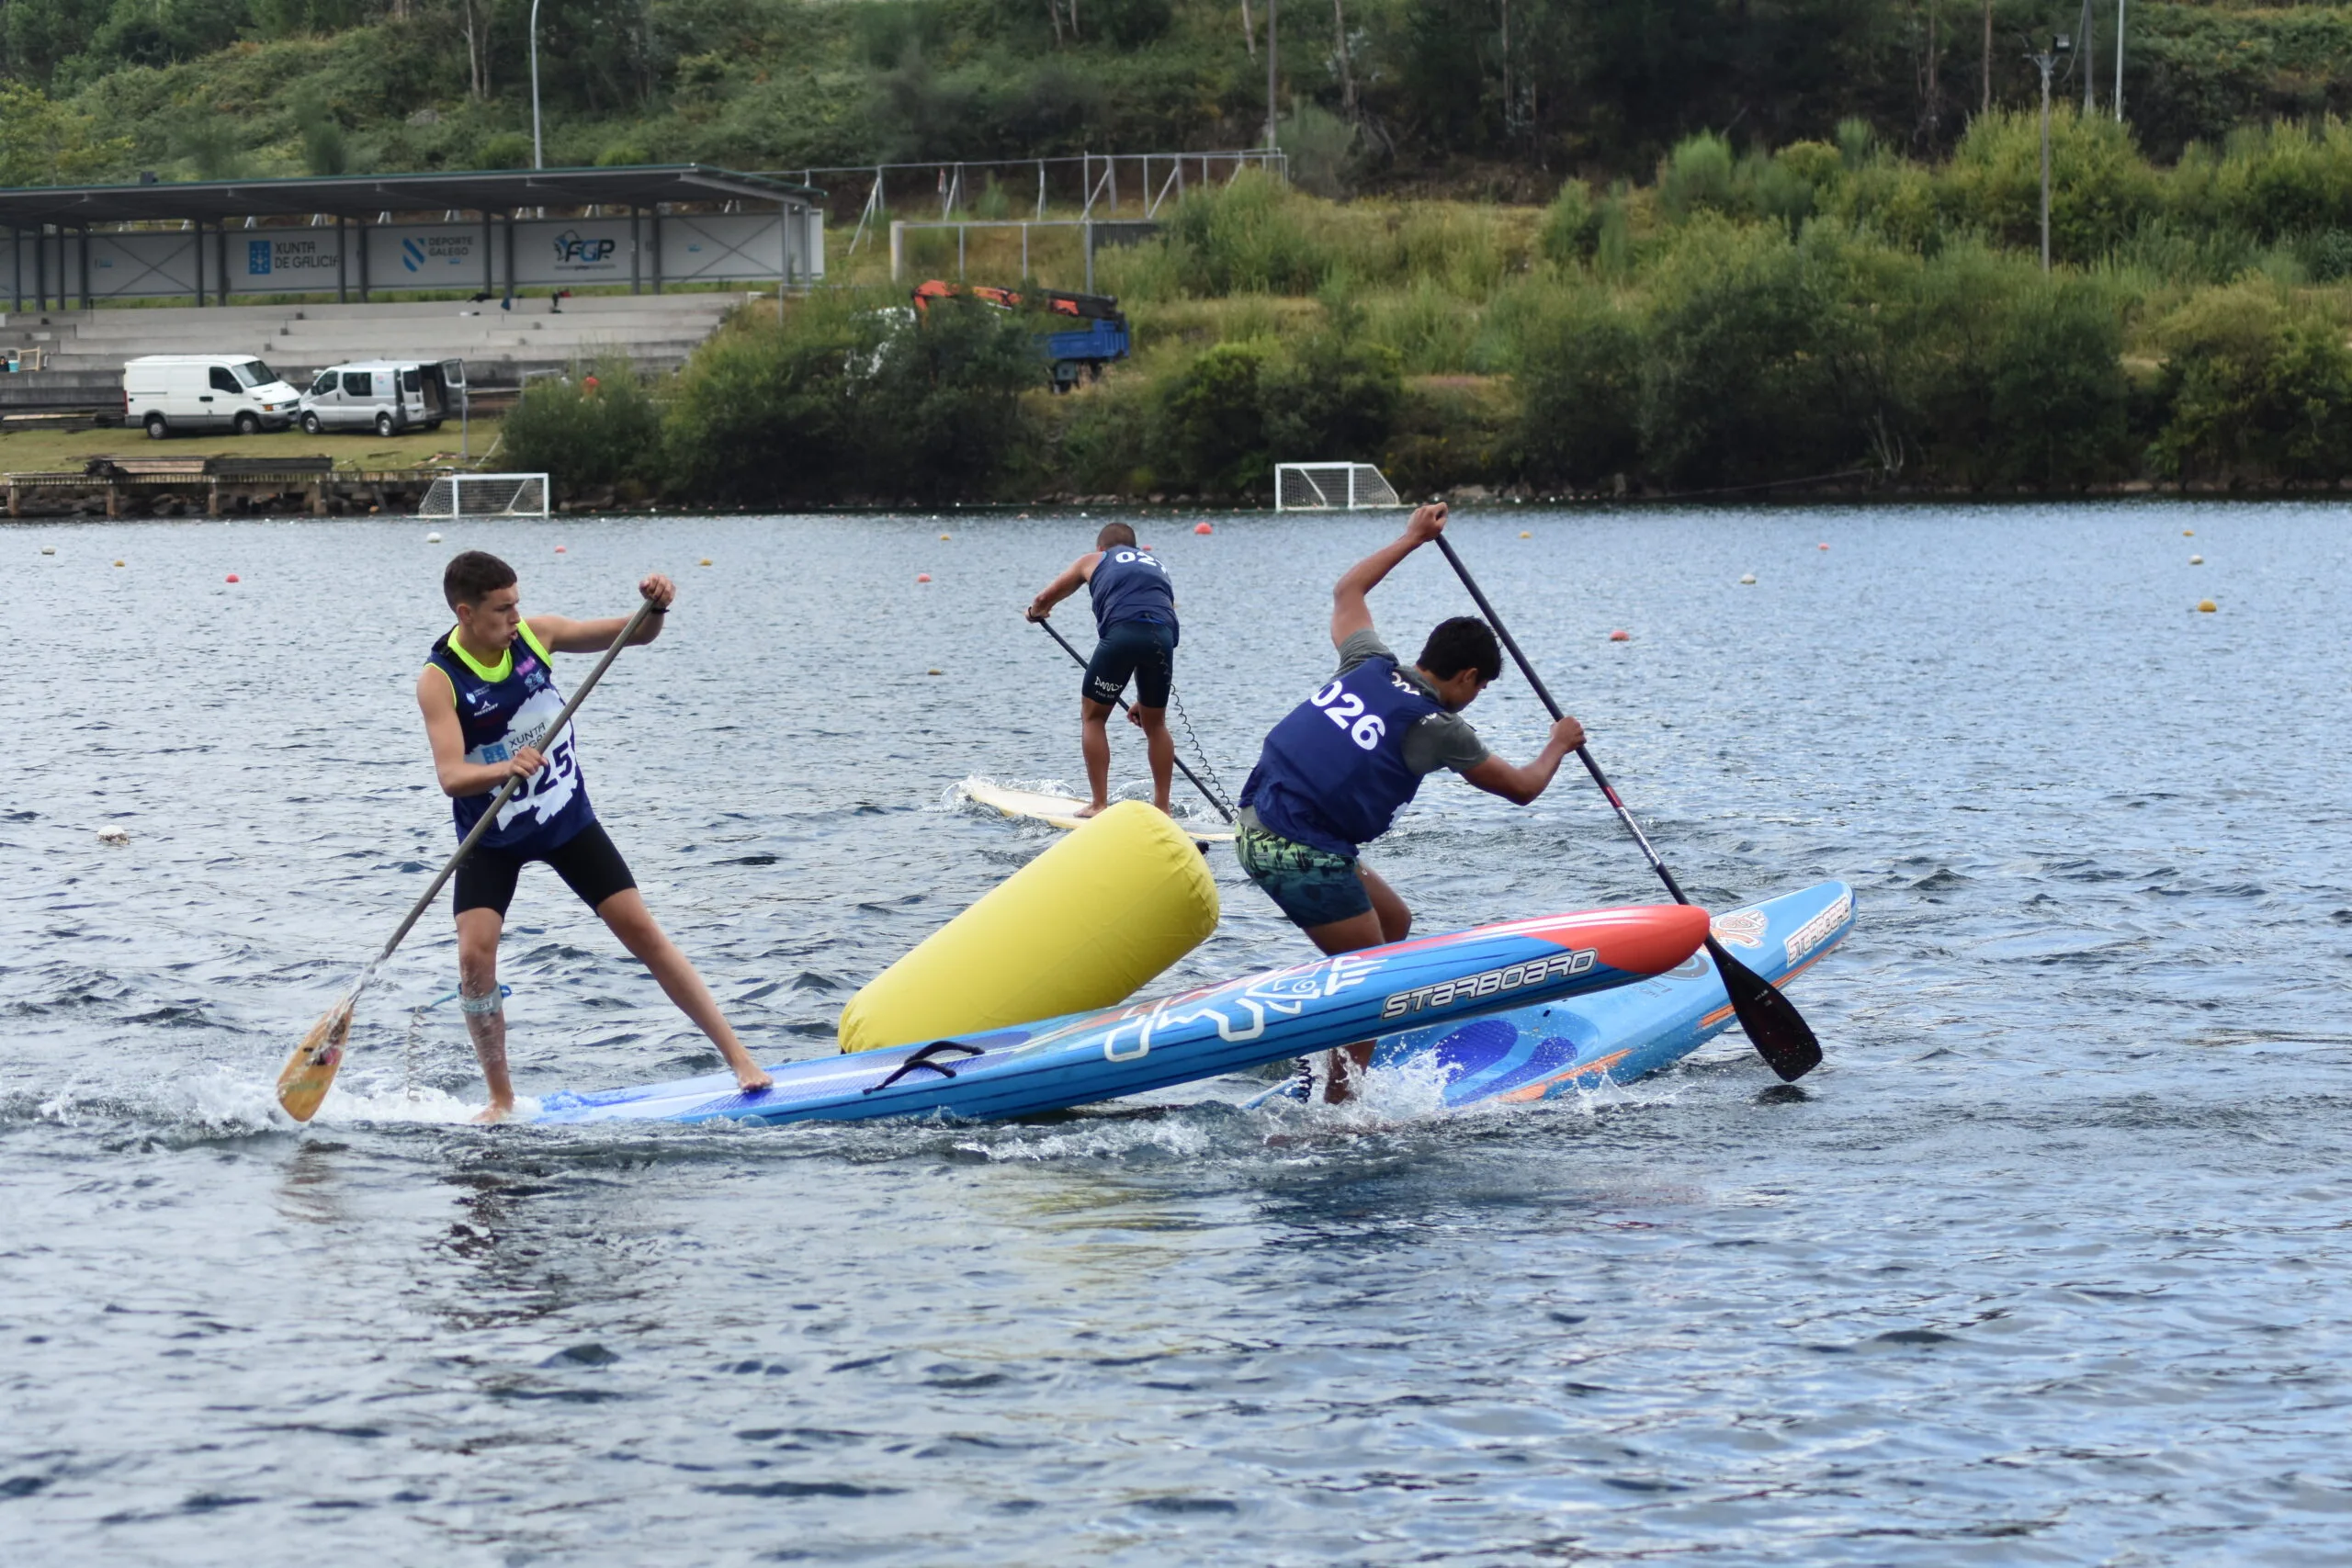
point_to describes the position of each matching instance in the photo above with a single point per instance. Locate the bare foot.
(495, 1111)
(1091, 810)
(753, 1079)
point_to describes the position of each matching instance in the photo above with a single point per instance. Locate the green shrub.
(506, 150)
(2256, 390)
(1571, 228)
(1697, 176)
(597, 426)
(1246, 237)
(1212, 425)
(2057, 389)
(1580, 389)
(2101, 189)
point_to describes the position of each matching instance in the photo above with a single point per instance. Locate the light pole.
(2119, 61)
(2047, 60)
(1271, 142)
(537, 161)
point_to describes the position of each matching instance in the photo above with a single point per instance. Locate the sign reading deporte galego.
(1491, 982)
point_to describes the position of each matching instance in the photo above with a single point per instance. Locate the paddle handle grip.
(506, 790)
(1214, 805)
(1584, 754)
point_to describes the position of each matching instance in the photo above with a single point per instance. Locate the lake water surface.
(2047, 1263)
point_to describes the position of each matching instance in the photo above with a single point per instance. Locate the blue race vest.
(1332, 774)
(1130, 585)
(501, 710)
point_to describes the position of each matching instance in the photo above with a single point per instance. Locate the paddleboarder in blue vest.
(487, 692)
(1134, 633)
(1335, 772)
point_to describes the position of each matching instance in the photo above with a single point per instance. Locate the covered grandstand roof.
(366, 195)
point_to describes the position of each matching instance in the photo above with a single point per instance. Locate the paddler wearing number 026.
(1333, 775)
(1136, 634)
(486, 692)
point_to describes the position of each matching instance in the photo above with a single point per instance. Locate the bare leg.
(477, 931)
(631, 921)
(1094, 740)
(1387, 920)
(1160, 747)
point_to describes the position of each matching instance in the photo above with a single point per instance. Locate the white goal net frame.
(1331, 487)
(486, 495)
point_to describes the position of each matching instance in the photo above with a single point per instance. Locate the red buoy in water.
(231, 577)
(1203, 528)
(923, 576)
(1620, 636)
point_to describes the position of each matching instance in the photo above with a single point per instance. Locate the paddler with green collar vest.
(1332, 775)
(1136, 634)
(487, 692)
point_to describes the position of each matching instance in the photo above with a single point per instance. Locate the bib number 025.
(1345, 709)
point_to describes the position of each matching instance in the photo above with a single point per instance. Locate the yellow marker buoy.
(2206, 606)
(942, 538)
(705, 560)
(2189, 533)
(935, 671)
(2196, 560)
(118, 563)
(1525, 534)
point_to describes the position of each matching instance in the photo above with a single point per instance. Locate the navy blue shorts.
(589, 863)
(1313, 887)
(1141, 651)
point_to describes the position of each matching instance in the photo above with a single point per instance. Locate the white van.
(206, 391)
(381, 395)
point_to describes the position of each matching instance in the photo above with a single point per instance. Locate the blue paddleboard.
(1555, 1047)
(1202, 1033)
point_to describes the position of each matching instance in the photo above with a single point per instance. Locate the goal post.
(486, 495)
(1331, 487)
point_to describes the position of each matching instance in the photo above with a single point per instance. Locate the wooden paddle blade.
(1769, 1019)
(309, 1071)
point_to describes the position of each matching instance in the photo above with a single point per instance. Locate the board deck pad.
(1061, 810)
(1576, 1042)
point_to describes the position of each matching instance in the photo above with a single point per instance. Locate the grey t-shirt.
(1439, 740)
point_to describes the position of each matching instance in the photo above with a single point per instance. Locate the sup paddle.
(1769, 1019)
(1214, 805)
(310, 1070)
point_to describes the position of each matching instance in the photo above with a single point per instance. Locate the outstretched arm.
(1519, 786)
(561, 634)
(1350, 612)
(1062, 587)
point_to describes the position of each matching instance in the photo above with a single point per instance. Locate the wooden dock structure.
(180, 487)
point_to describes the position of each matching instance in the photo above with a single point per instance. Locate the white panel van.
(206, 391)
(381, 395)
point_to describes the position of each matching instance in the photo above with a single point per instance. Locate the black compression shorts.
(1141, 651)
(588, 863)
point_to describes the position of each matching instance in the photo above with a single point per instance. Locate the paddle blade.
(309, 1071)
(1769, 1019)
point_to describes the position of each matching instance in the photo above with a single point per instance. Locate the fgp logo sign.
(266, 258)
(575, 251)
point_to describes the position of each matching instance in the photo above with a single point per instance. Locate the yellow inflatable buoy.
(1081, 926)
(2206, 606)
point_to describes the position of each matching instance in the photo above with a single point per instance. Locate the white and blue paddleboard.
(1561, 1046)
(1084, 1057)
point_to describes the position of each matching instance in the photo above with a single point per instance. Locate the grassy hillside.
(1463, 97)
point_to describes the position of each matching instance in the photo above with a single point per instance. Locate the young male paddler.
(488, 693)
(1334, 774)
(1134, 632)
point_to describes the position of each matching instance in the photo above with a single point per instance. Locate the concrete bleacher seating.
(498, 345)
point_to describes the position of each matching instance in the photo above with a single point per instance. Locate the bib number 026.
(1345, 709)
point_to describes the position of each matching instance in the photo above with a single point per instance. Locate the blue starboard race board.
(1076, 1060)
(1558, 1046)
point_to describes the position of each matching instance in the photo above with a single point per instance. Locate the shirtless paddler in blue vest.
(1135, 633)
(1335, 772)
(487, 692)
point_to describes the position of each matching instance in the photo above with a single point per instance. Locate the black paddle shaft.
(1214, 805)
(1771, 1021)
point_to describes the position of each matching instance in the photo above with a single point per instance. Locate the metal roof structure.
(367, 196)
